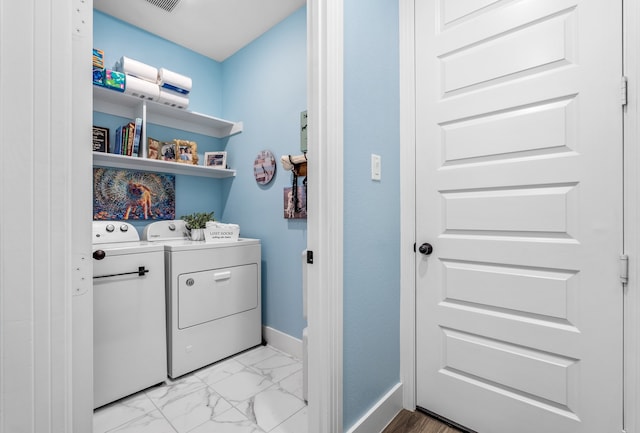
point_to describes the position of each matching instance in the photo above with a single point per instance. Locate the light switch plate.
(376, 167)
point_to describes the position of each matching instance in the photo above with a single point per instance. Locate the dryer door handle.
(222, 276)
(141, 271)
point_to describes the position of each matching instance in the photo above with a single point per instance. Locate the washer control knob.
(99, 254)
(172, 227)
(124, 228)
(190, 282)
(110, 228)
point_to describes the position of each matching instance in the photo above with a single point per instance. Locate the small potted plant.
(196, 223)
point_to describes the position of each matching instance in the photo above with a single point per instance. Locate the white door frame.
(407, 204)
(325, 213)
(44, 386)
(80, 171)
(631, 68)
(325, 224)
(631, 35)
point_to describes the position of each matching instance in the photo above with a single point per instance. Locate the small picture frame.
(100, 139)
(153, 148)
(186, 152)
(215, 159)
(168, 152)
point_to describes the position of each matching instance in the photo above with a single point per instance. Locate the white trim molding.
(39, 237)
(381, 414)
(283, 342)
(407, 204)
(631, 36)
(81, 175)
(325, 213)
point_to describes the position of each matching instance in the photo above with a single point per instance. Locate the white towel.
(173, 99)
(142, 89)
(137, 69)
(288, 160)
(173, 81)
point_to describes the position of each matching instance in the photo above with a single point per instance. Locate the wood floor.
(417, 422)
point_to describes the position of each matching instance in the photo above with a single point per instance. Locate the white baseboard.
(282, 341)
(380, 415)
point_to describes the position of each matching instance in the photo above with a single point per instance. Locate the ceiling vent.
(167, 5)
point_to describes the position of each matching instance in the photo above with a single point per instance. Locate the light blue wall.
(372, 208)
(193, 194)
(117, 38)
(263, 85)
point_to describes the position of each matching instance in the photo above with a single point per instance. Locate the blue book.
(117, 145)
(136, 137)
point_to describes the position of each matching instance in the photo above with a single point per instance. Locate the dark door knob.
(99, 254)
(425, 249)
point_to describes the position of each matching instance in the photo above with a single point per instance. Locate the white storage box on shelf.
(220, 232)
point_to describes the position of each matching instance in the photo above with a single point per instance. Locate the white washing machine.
(129, 339)
(212, 294)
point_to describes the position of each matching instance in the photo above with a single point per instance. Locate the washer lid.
(187, 245)
(122, 248)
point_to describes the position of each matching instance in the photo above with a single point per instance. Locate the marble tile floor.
(257, 391)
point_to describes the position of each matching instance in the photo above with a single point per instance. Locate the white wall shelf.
(101, 159)
(118, 104)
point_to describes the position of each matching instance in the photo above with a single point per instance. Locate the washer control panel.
(114, 231)
(170, 230)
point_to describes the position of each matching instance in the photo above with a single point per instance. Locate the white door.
(519, 191)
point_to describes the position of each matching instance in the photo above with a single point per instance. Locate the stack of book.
(127, 139)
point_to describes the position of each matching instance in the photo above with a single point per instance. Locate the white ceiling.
(213, 28)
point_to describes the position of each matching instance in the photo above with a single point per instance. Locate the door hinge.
(624, 85)
(624, 268)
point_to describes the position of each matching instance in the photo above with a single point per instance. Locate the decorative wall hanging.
(295, 203)
(297, 206)
(120, 194)
(303, 131)
(264, 167)
(100, 139)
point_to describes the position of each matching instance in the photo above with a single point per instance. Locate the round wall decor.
(264, 167)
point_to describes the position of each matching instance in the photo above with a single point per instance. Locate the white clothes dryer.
(213, 296)
(129, 340)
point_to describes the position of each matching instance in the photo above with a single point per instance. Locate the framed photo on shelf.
(100, 139)
(215, 159)
(153, 148)
(186, 152)
(168, 152)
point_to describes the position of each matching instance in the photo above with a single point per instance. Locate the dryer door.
(209, 295)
